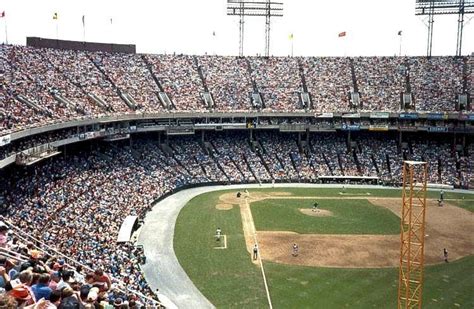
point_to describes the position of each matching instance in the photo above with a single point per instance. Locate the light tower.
(444, 7)
(265, 8)
(412, 234)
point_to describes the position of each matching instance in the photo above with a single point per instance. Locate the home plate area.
(220, 242)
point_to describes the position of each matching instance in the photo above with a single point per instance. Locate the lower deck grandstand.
(96, 184)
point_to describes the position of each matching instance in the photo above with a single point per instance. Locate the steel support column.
(412, 234)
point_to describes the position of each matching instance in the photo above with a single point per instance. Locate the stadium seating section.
(80, 199)
(44, 86)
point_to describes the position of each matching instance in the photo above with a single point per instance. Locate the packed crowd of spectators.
(303, 165)
(442, 168)
(31, 278)
(13, 113)
(80, 200)
(324, 151)
(232, 157)
(35, 78)
(228, 81)
(44, 86)
(196, 160)
(329, 81)
(229, 152)
(380, 81)
(83, 201)
(466, 167)
(276, 153)
(375, 154)
(131, 76)
(469, 76)
(78, 67)
(278, 81)
(179, 77)
(66, 197)
(41, 75)
(436, 81)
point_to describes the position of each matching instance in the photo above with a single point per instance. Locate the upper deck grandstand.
(44, 86)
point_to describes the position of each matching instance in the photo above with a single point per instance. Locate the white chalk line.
(267, 290)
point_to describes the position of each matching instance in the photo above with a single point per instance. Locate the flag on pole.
(83, 20)
(290, 36)
(400, 32)
(2, 14)
(55, 16)
(341, 34)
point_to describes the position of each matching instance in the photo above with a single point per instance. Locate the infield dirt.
(316, 213)
(446, 227)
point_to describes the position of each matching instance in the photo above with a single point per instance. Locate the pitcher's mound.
(317, 212)
(224, 206)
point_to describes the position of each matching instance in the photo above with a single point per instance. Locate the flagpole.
(214, 42)
(345, 45)
(292, 46)
(400, 47)
(291, 38)
(57, 30)
(83, 28)
(111, 30)
(6, 31)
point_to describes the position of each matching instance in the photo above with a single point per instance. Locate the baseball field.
(348, 248)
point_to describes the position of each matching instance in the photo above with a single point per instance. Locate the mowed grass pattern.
(349, 217)
(446, 286)
(226, 277)
(363, 193)
(467, 204)
(229, 280)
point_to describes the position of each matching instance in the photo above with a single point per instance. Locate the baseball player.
(255, 252)
(218, 234)
(295, 250)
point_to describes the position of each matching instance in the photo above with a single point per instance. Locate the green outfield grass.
(229, 279)
(312, 287)
(467, 204)
(226, 277)
(349, 217)
(358, 192)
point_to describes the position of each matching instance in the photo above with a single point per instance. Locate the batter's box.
(221, 243)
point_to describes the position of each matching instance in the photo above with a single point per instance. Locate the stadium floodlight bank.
(254, 8)
(444, 7)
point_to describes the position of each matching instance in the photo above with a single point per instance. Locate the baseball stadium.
(336, 174)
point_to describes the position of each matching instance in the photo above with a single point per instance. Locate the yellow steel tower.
(410, 285)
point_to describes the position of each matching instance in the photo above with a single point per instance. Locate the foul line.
(258, 257)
